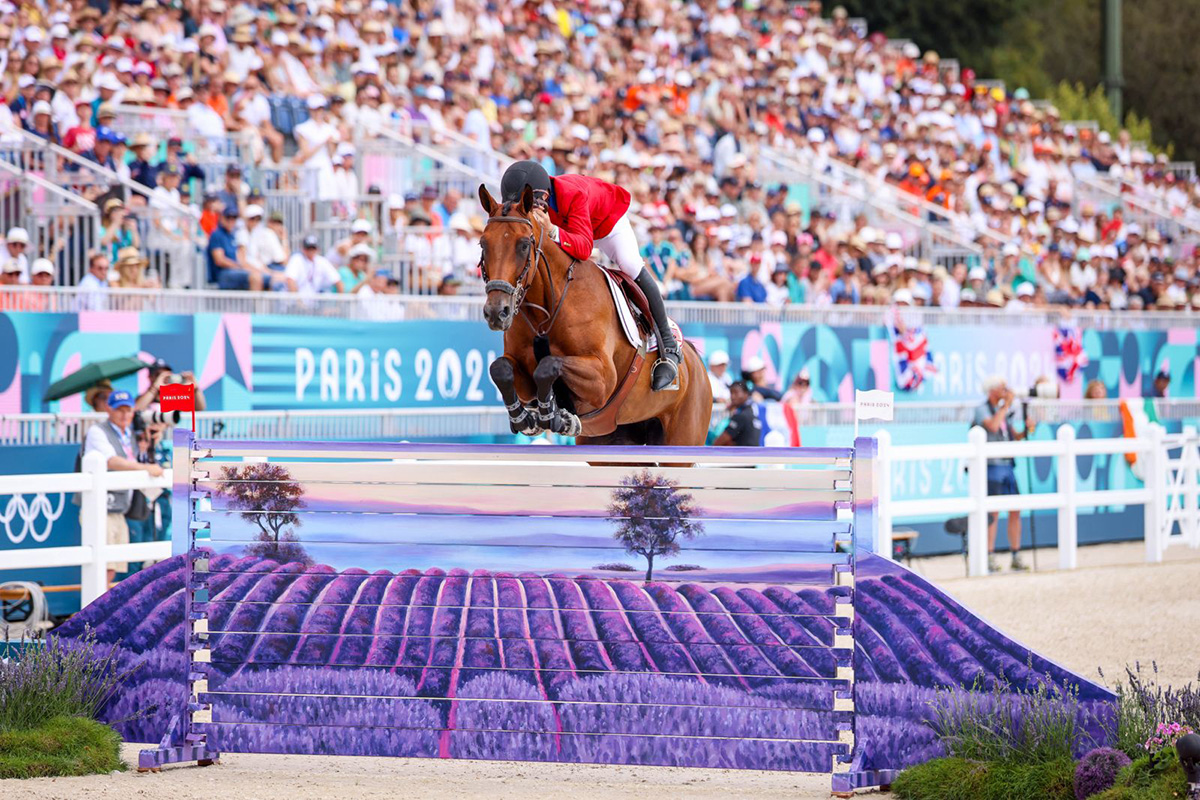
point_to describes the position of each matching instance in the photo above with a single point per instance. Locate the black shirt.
(744, 427)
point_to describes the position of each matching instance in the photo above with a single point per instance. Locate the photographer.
(160, 373)
(996, 416)
(115, 440)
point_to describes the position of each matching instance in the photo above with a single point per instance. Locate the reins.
(519, 289)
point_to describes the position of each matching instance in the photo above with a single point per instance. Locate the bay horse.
(567, 367)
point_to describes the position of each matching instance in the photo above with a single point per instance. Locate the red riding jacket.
(585, 209)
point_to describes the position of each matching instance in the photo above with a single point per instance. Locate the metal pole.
(1113, 78)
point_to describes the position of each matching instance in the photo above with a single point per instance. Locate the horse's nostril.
(504, 311)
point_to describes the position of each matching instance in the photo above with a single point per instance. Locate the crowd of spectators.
(676, 101)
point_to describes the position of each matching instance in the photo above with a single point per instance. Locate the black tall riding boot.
(666, 368)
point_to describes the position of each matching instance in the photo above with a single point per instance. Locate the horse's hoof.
(567, 424)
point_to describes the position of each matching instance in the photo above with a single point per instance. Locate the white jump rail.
(94, 553)
(1169, 494)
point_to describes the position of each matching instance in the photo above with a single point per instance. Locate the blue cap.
(120, 399)
(105, 134)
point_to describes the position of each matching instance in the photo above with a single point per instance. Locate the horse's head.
(510, 245)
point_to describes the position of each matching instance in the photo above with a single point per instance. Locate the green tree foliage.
(1075, 102)
(1039, 44)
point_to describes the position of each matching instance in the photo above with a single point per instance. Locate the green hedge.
(960, 779)
(61, 746)
(1149, 778)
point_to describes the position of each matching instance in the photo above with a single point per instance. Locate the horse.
(567, 368)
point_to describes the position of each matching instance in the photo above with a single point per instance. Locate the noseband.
(520, 287)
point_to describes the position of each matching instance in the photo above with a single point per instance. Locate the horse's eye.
(523, 246)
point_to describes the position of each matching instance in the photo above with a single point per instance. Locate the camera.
(160, 417)
(1043, 389)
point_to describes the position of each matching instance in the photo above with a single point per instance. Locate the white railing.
(66, 298)
(23, 518)
(1165, 504)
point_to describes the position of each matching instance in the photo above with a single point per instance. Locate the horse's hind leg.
(504, 374)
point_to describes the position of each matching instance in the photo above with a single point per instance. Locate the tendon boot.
(666, 369)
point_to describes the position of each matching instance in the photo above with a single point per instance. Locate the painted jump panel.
(820, 476)
(477, 665)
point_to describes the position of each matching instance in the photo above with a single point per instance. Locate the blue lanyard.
(126, 440)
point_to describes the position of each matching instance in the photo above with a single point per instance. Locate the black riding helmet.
(520, 175)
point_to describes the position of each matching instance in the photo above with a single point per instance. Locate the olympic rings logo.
(28, 513)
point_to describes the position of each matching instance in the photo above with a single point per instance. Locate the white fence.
(34, 518)
(1170, 466)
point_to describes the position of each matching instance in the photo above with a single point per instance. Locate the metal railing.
(62, 226)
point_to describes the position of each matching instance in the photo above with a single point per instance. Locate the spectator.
(118, 230)
(160, 373)
(140, 169)
(14, 259)
(744, 428)
(131, 270)
(996, 415)
(1096, 390)
(309, 272)
(360, 234)
(358, 268)
(794, 401)
(114, 440)
(754, 371)
(264, 250)
(93, 287)
(227, 266)
(234, 191)
(1162, 382)
(719, 377)
(314, 139)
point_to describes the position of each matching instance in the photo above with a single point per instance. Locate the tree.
(267, 496)
(651, 516)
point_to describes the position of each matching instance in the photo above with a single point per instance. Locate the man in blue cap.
(114, 440)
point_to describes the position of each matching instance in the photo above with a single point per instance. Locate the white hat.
(708, 214)
(34, 34)
(728, 210)
(60, 31)
(718, 358)
(977, 274)
(25, 81)
(42, 265)
(435, 93)
(1010, 249)
(816, 135)
(362, 250)
(345, 149)
(125, 64)
(315, 101)
(753, 364)
(1133, 230)
(17, 235)
(42, 107)
(109, 81)
(253, 210)
(1025, 289)
(894, 241)
(683, 78)
(279, 39)
(902, 296)
(361, 226)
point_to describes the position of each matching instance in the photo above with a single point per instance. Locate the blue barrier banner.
(246, 362)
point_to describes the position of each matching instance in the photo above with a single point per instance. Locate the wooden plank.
(663, 751)
(556, 501)
(531, 716)
(537, 475)
(218, 448)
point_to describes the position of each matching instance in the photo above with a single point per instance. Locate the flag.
(1068, 352)
(911, 360)
(874, 404)
(178, 397)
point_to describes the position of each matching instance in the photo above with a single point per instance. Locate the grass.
(961, 779)
(59, 747)
(1149, 778)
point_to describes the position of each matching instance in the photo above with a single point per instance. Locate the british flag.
(911, 360)
(1068, 352)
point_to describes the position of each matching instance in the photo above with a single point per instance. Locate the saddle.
(636, 298)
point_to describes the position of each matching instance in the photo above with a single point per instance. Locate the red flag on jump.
(178, 397)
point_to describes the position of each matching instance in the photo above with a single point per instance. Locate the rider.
(578, 211)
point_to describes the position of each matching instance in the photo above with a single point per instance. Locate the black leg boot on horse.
(665, 372)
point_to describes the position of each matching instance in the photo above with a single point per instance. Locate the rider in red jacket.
(580, 212)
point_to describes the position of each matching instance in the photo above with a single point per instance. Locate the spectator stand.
(61, 224)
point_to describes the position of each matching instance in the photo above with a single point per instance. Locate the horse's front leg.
(505, 374)
(584, 376)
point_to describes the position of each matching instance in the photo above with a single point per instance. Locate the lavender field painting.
(454, 663)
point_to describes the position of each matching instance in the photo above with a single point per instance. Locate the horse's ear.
(527, 199)
(485, 200)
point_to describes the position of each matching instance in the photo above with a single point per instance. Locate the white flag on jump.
(874, 404)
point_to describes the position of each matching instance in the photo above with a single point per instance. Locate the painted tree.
(267, 497)
(652, 515)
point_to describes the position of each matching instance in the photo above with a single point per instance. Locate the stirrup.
(665, 357)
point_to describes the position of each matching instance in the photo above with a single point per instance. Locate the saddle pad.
(628, 323)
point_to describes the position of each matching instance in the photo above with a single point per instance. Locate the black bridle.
(519, 288)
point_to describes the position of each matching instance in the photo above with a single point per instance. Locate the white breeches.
(622, 248)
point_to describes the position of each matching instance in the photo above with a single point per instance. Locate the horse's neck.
(556, 265)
